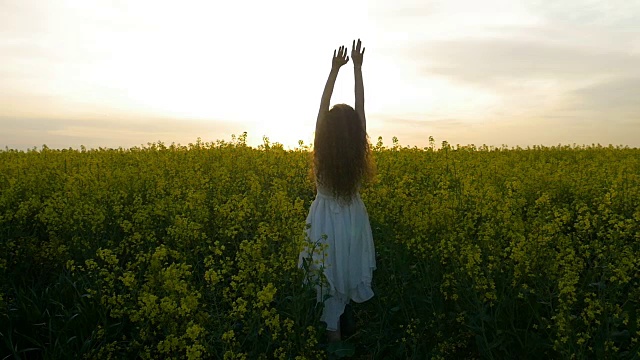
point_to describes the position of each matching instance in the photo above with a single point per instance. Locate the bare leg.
(333, 336)
(347, 322)
(333, 308)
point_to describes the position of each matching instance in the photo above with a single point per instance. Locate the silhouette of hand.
(340, 58)
(356, 55)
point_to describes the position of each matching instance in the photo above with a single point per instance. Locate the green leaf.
(341, 349)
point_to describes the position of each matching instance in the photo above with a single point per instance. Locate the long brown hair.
(341, 154)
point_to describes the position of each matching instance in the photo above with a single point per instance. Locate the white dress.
(348, 259)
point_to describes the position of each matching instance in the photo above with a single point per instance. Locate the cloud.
(542, 79)
(424, 123)
(602, 13)
(616, 101)
(497, 62)
(617, 93)
(416, 130)
(23, 133)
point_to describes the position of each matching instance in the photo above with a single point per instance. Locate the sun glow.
(200, 61)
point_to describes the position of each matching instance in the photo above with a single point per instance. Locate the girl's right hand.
(340, 58)
(356, 54)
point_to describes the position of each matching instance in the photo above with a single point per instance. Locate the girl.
(338, 219)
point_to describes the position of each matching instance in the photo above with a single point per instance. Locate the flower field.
(191, 252)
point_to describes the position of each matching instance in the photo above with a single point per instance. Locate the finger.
(353, 46)
(362, 51)
(358, 46)
(334, 52)
(347, 60)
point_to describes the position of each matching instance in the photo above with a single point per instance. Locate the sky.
(497, 72)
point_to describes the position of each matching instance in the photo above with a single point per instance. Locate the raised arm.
(357, 55)
(340, 58)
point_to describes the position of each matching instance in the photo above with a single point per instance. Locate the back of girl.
(338, 220)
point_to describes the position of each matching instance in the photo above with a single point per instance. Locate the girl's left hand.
(340, 58)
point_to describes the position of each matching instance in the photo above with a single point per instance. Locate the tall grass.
(169, 251)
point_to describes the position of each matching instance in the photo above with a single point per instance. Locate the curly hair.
(341, 154)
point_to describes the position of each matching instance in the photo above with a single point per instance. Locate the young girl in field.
(338, 219)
